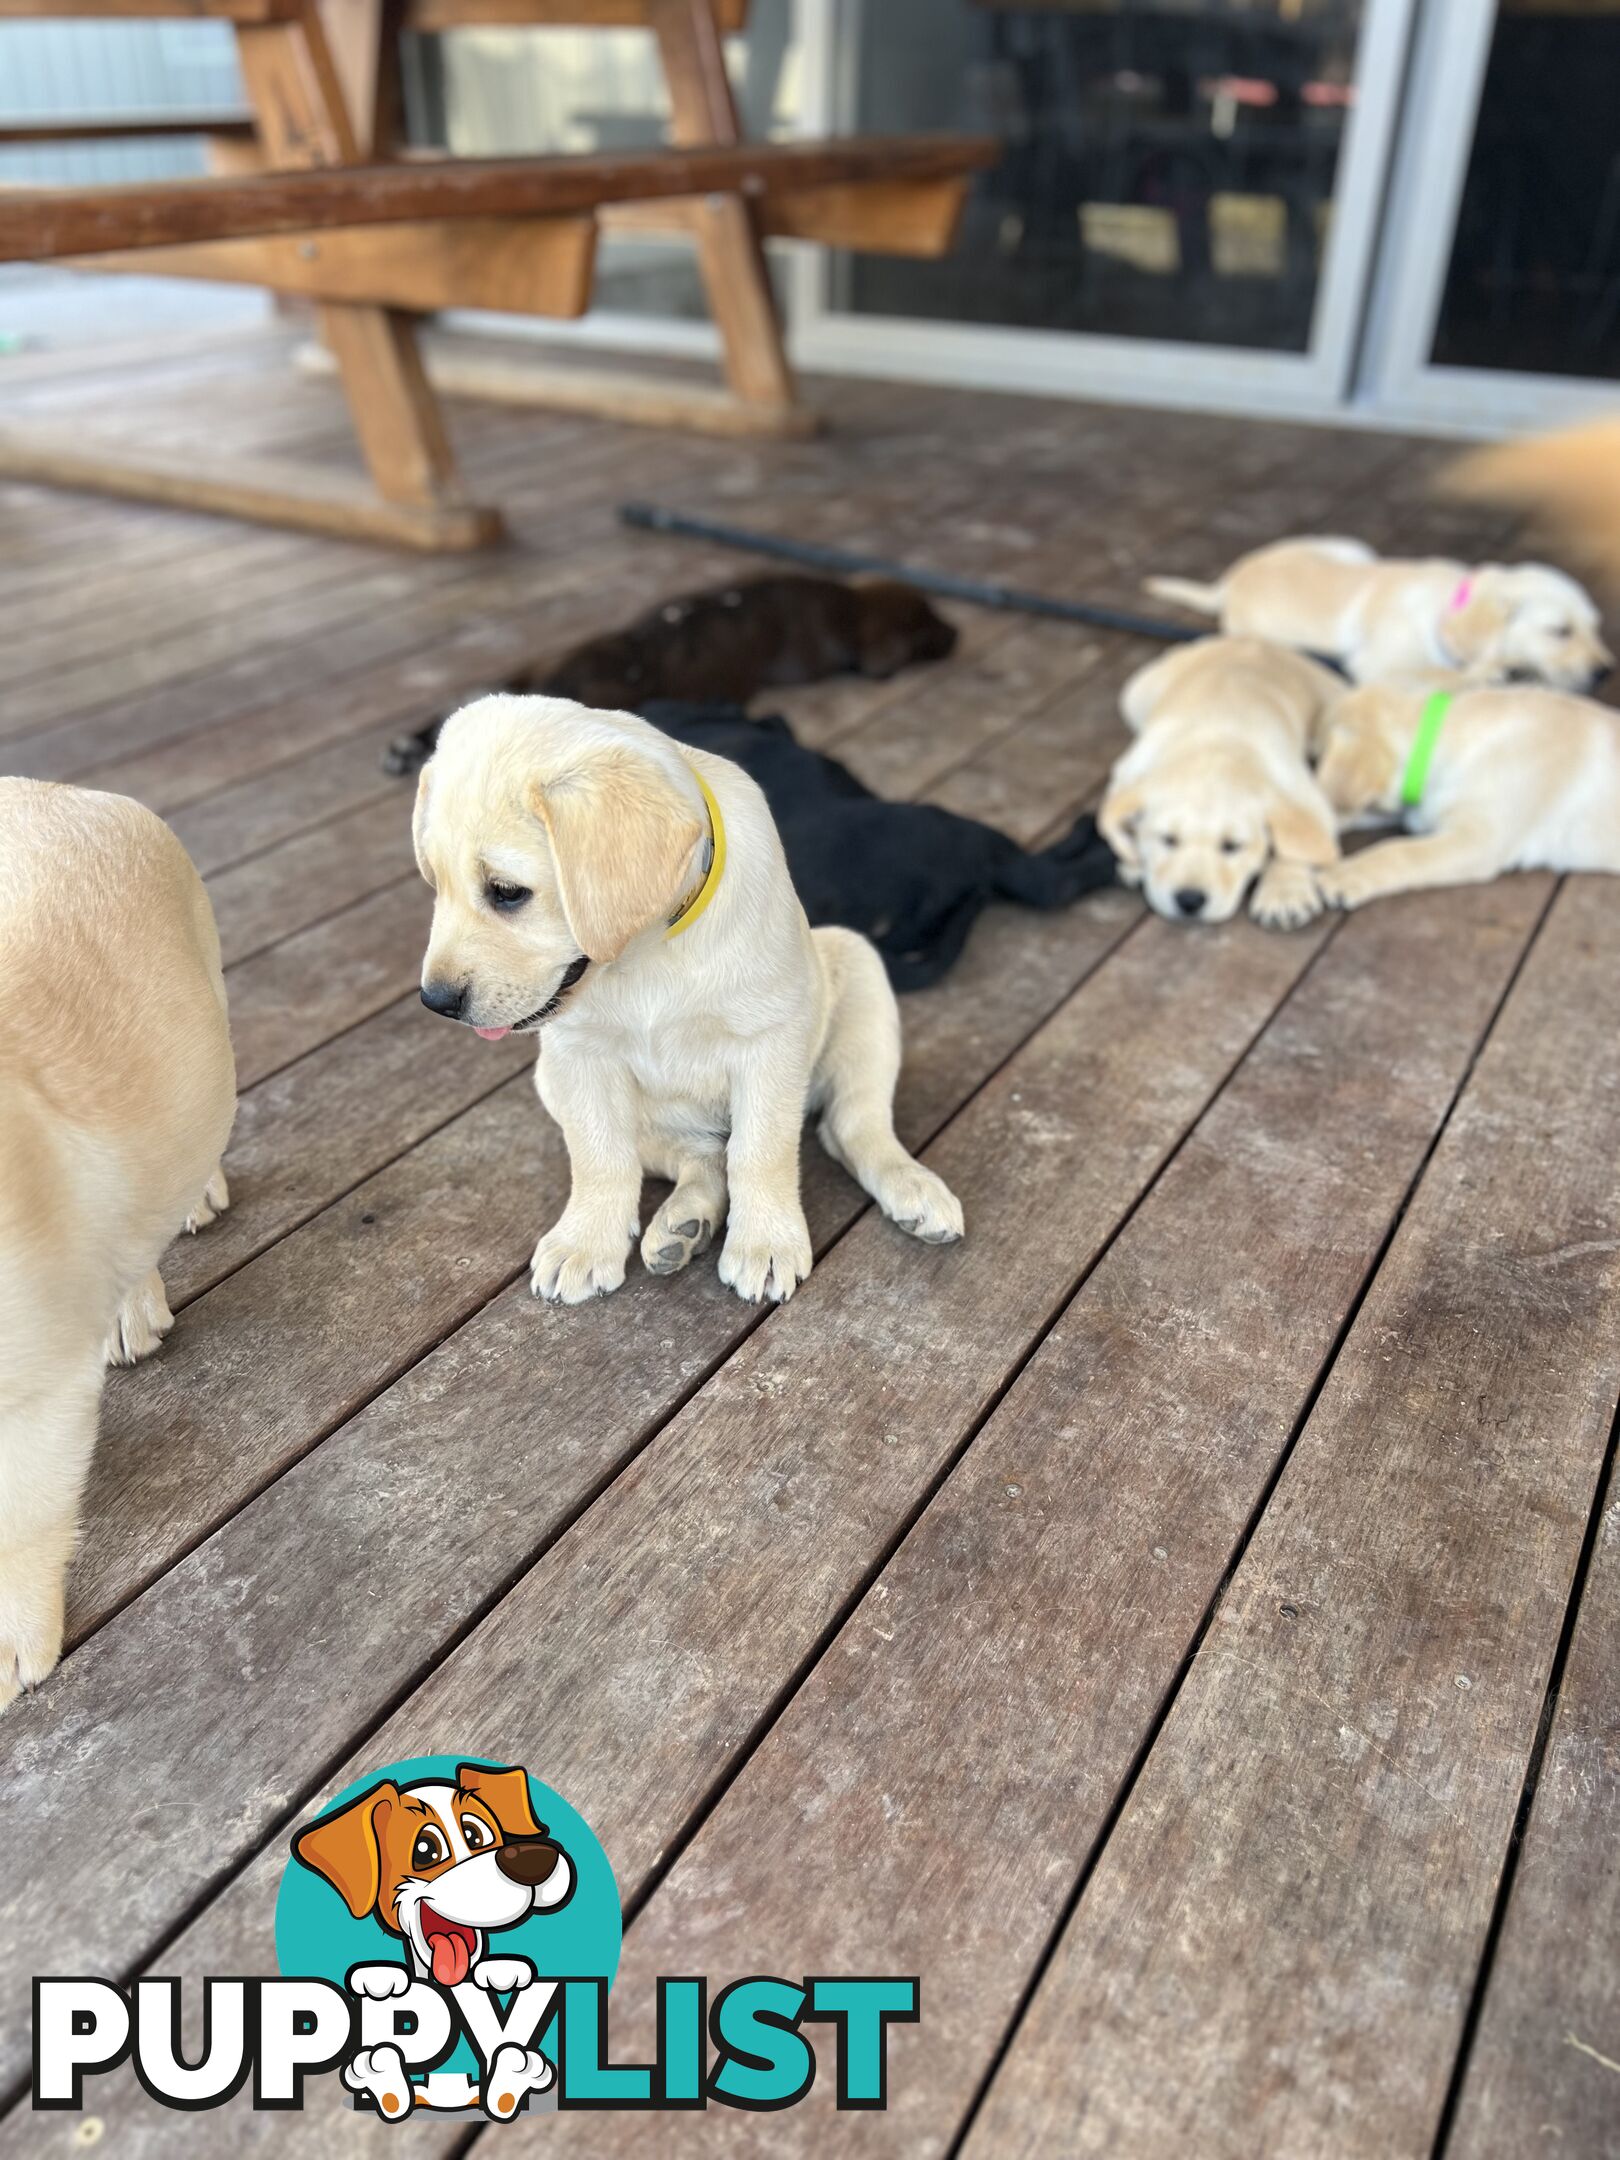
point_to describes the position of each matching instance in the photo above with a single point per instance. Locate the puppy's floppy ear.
(1116, 820)
(345, 1847)
(1473, 631)
(505, 1793)
(622, 834)
(1302, 829)
(419, 819)
(1360, 752)
(897, 628)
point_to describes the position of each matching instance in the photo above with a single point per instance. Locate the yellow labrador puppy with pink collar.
(1384, 618)
(630, 898)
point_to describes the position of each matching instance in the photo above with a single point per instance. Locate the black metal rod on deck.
(849, 562)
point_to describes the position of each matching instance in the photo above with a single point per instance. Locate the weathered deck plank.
(1544, 2070)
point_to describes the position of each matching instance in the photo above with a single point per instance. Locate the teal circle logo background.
(317, 1936)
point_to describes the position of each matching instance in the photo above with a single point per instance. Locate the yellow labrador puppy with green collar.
(117, 1092)
(630, 897)
(1486, 779)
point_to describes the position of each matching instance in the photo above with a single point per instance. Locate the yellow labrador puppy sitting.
(1215, 795)
(631, 897)
(117, 1092)
(1388, 618)
(1487, 780)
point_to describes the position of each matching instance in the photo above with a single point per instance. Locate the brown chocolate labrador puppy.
(724, 645)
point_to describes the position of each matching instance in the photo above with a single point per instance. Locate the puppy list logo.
(462, 1886)
(448, 1932)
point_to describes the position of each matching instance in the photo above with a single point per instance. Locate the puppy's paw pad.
(215, 1200)
(668, 1246)
(922, 1205)
(768, 1267)
(564, 1273)
(142, 1323)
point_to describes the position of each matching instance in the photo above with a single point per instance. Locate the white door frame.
(1138, 371)
(1398, 382)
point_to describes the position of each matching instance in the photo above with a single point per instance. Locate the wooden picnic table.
(327, 201)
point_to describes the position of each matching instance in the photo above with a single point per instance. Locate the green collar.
(1416, 776)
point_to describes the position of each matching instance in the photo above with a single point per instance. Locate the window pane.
(1534, 282)
(493, 92)
(1168, 165)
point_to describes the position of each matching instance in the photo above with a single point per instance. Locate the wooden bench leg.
(293, 84)
(730, 255)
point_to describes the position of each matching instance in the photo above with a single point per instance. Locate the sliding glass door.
(1499, 303)
(1185, 204)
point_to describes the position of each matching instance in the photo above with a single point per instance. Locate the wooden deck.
(1180, 1623)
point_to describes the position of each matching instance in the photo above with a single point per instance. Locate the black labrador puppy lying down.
(912, 877)
(726, 644)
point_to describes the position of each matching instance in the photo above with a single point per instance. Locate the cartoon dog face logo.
(441, 1865)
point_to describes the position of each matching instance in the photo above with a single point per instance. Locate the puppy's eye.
(477, 1833)
(506, 897)
(429, 1849)
(1170, 839)
(1230, 847)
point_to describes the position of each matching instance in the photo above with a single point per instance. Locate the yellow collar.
(685, 917)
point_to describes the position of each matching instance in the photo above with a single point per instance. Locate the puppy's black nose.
(446, 999)
(1190, 899)
(528, 1860)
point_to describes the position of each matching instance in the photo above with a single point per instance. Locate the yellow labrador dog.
(631, 897)
(1383, 619)
(1215, 794)
(1488, 780)
(117, 1092)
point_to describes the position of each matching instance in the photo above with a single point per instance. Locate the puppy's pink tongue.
(491, 1034)
(450, 1958)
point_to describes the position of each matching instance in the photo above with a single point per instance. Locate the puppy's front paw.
(1286, 897)
(378, 1982)
(500, 1975)
(143, 1321)
(32, 1582)
(766, 1257)
(566, 1270)
(1345, 884)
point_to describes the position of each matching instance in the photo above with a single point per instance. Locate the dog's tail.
(1187, 593)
